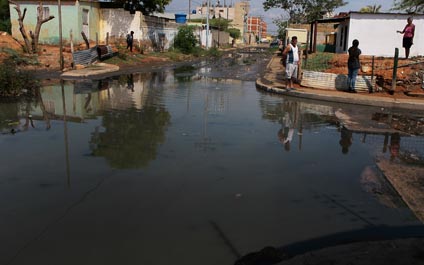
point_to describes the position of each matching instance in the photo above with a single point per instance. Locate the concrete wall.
(377, 34)
(156, 33)
(71, 20)
(119, 23)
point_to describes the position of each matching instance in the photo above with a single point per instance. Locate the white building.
(377, 33)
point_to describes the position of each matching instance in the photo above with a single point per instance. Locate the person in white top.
(292, 62)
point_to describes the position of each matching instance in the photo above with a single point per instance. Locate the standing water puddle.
(164, 168)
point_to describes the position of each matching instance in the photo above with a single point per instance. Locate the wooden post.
(307, 47)
(71, 39)
(97, 39)
(372, 75)
(299, 68)
(87, 44)
(395, 66)
(315, 37)
(107, 38)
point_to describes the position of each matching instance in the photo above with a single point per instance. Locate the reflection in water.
(290, 121)
(201, 152)
(130, 138)
(345, 139)
(130, 82)
(394, 145)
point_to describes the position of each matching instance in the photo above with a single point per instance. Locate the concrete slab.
(92, 70)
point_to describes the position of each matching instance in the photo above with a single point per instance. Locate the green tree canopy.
(410, 6)
(371, 9)
(4, 16)
(145, 6)
(303, 11)
(234, 33)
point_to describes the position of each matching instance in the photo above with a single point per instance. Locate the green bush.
(214, 52)
(185, 40)
(15, 82)
(234, 33)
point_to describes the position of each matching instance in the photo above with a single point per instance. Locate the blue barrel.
(180, 18)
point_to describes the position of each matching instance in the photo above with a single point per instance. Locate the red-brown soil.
(409, 74)
(48, 56)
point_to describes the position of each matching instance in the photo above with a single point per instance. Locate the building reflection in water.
(296, 116)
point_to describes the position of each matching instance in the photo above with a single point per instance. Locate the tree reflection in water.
(131, 137)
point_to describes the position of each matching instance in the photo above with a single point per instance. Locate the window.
(46, 12)
(85, 16)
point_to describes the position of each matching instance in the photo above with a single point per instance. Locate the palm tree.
(371, 9)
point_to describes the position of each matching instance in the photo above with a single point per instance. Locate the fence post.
(395, 66)
(372, 75)
(71, 38)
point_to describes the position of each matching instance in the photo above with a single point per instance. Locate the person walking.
(292, 62)
(353, 65)
(408, 36)
(130, 40)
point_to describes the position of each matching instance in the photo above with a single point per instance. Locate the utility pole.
(207, 27)
(59, 11)
(189, 10)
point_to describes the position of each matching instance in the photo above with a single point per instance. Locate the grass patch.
(319, 61)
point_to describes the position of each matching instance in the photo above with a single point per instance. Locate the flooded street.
(191, 165)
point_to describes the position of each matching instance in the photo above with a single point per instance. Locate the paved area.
(396, 251)
(273, 81)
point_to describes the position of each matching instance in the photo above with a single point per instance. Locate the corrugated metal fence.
(89, 56)
(335, 81)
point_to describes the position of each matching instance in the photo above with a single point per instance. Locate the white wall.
(377, 33)
(119, 23)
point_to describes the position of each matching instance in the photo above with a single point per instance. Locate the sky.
(179, 6)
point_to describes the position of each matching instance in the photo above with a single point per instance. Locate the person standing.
(292, 62)
(130, 40)
(408, 36)
(353, 65)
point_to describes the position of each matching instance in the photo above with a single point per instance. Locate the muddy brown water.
(181, 167)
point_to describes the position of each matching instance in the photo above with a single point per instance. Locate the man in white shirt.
(292, 62)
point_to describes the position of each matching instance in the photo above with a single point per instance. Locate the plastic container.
(180, 18)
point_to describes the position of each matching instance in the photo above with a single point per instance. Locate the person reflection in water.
(130, 82)
(345, 140)
(394, 145)
(285, 135)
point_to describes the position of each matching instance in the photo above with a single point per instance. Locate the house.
(376, 33)
(78, 16)
(97, 20)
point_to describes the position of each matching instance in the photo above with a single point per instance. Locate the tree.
(31, 46)
(185, 40)
(144, 6)
(410, 6)
(282, 24)
(4, 16)
(234, 33)
(371, 9)
(303, 11)
(222, 24)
